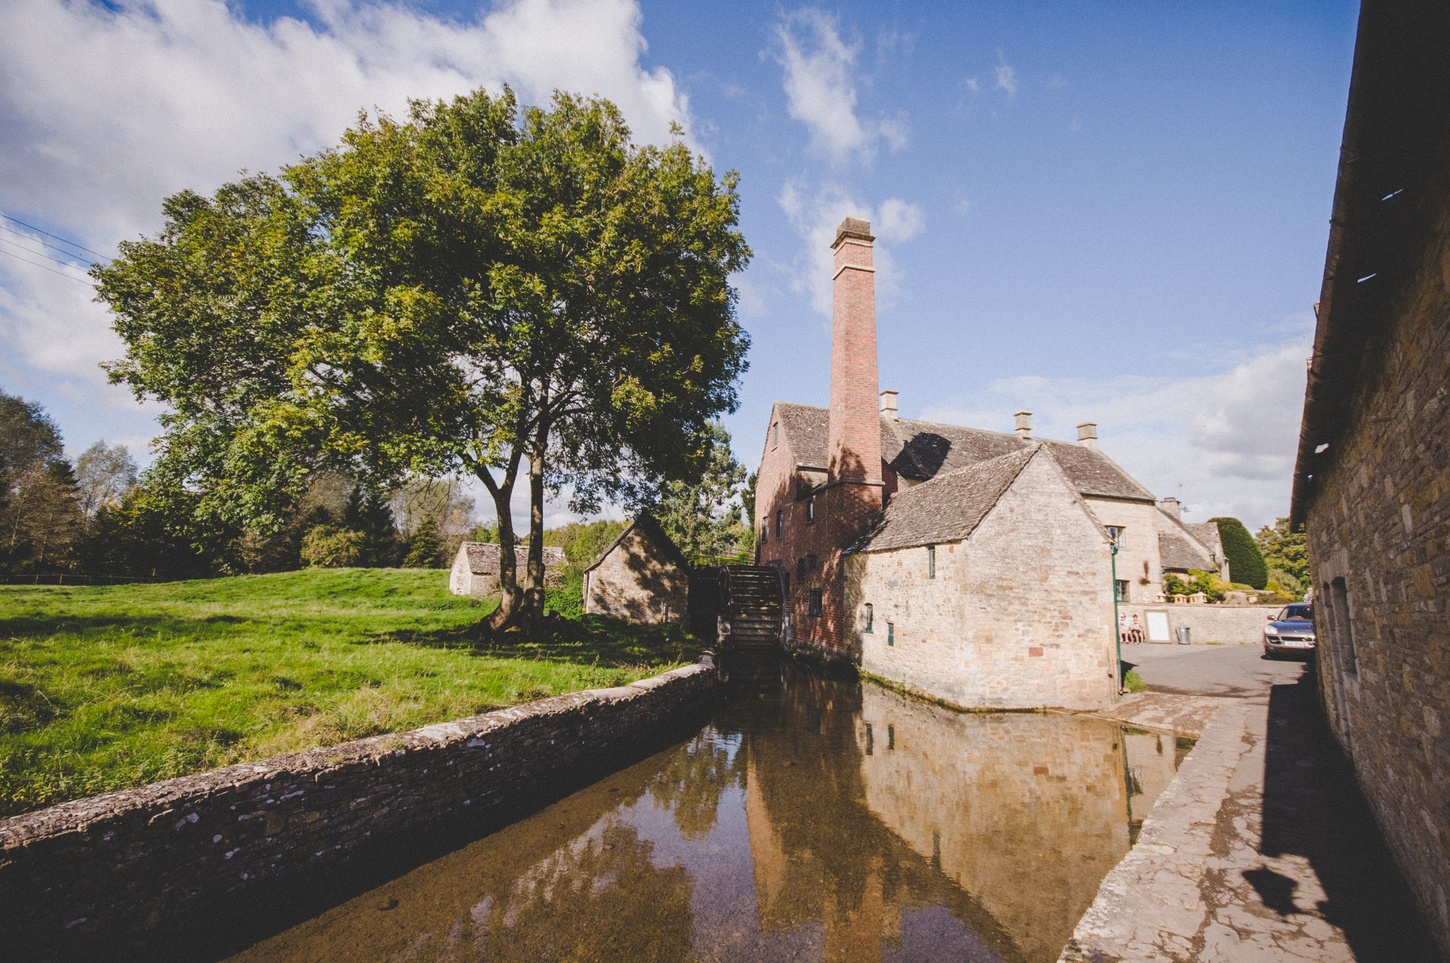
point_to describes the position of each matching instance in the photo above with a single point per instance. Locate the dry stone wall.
(1208, 623)
(116, 866)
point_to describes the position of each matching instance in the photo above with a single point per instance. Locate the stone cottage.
(475, 568)
(972, 565)
(1372, 480)
(641, 577)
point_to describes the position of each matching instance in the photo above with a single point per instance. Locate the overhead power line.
(43, 267)
(57, 237)
(21, 234)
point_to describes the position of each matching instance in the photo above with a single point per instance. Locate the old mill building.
(971, 566)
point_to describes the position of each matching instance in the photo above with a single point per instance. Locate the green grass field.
(109, 687)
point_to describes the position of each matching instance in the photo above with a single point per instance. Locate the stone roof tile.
(921, 450)
(949, 507)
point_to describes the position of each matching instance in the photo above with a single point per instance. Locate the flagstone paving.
(1262, 849)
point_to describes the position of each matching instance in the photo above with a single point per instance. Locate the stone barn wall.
(115, 870)
(638, 580)
(986, 632)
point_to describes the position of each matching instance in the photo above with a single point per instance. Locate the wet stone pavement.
(1263, 849)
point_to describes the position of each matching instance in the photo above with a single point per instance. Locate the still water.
(819, 820)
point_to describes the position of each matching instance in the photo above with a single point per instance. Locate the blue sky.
(1104, 211)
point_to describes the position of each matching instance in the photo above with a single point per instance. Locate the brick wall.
(105, 871)
(984, 633)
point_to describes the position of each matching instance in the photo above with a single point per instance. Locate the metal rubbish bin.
(1182, 631)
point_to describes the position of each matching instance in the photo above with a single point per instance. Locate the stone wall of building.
(1018, 615)
(1138, 561)
(1378, 524)
(638, 580)
(109, 869)
(1230, 624)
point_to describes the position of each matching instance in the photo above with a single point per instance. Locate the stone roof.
(483, 557)
(949, 507)
(1182, 548)
(1207, 534)
(652, 530)
(921, 450)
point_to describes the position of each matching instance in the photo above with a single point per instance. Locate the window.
(870, 618)
(810, 509)
(890, 633)
(775, 434)
(779, 521)
(869, 739)
(815, 602)
(764, 532)
(1115, 532)
(931, 561)
(1120, 589)
(890, 737)
(800, 569)
(1341, 625)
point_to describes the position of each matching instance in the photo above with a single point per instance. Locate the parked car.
(1291, 631)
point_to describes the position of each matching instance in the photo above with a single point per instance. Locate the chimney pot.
(1087, 434)
(1173, 507)
(1024, 424)
(888, 403)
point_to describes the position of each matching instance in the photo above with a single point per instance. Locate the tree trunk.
(534, 586)
(508, 613)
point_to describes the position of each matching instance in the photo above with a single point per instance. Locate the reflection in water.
(823, 821)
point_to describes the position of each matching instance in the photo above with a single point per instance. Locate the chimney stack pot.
(888, 403)
(1173, 507)
(1024, 424)
(1087, 434)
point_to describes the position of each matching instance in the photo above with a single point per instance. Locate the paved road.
(1264, 849)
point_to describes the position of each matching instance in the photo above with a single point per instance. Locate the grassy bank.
(107, 687)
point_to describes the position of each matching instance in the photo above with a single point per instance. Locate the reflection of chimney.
(1024, 424)
(855, 422)
(1087, 434)
(1173, 507)
(888, 404)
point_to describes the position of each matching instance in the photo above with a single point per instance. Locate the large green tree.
(524, 296)
(702, 514)
(40, 517)
(1285, 551)
(1245, 564)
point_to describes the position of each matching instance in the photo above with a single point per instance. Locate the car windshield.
(1303, 612)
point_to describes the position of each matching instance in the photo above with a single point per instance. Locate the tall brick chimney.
(855, 422)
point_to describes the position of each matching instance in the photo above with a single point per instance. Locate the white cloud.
(816, 213)
(820, 88)
(898, 221)
(1224, 443)
(108, 108)
(973, 85)
(1006, 80)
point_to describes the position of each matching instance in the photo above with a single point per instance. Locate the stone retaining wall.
(123, 864)
(1209, 623)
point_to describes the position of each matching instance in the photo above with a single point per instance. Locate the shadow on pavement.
(1313, 808)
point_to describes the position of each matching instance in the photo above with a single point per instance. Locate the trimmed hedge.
(1245, 562)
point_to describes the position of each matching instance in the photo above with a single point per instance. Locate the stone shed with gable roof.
(641, 577)
(475, 568)
(989, 587)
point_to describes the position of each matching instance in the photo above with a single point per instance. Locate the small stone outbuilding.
(641, 577)
(475, 568)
